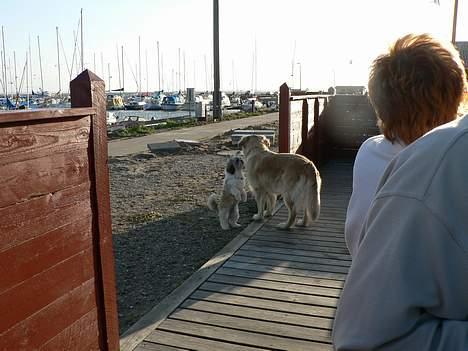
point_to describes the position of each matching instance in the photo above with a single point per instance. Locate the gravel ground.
(163, 231)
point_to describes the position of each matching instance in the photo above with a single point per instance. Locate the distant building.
(350, 90)
(462, 47)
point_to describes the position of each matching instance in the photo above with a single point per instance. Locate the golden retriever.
(293, 176)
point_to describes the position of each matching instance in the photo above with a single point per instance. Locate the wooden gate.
(57, 280)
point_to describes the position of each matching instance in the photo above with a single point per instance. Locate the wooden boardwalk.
(270, 290)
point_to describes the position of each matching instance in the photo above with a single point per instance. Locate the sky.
(330, 42)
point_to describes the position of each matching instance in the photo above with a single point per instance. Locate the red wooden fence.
(57, 280)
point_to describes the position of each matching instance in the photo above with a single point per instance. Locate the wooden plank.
(35, 115)
(284, 238)
(40, 215)
(253, 325)
(149, 346)
(293, 258)
(283, 270)
(291, 245)
(73, 337)
(281, 277)
(304, 234)
(259, 314)
(271, 285)
(299, 298)
(24, 142)
(39, 177)
(31, 333)
(88, 90)
(308, 237)
(290, 264)
(196, 343)
(136, 333)
(44, 288)
(331, 226)
(248, 338)
(41, 253)
(267, 305)
(289, 251)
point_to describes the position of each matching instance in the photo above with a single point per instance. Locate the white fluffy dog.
(233, 192)
(293, 176)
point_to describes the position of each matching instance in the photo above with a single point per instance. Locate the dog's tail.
(213, 202)
(313, 186)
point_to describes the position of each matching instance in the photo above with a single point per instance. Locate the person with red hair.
(416, 86)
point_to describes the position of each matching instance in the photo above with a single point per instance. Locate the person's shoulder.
(414, 168)
(378, 147)
(370, 145)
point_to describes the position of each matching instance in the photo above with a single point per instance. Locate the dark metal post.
(454, 26)
(217, 93)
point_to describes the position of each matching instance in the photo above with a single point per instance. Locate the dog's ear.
(265, 141)
(230, 167)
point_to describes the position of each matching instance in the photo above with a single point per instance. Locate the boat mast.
(293, 64)
(118, 65)
(139, 64)
(103, 74)
(123, 72)
(255, 66)
(30, 63)
(58, 61)
(178, 74)
(206, 77)
(109, 76)
(40, 64)
(185, 85)
(2, 76)
(159, 68)
(27, 81)
(162, 72)
(194, 75)
(82, 54)
(4, 65)
(16, 75)
(146, 63)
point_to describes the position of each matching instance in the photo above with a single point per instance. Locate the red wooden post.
(284, 116)
(305, 121)
(88, 90)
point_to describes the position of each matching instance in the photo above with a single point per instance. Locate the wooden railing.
(335, 126)
(299, 122)
(57, 286)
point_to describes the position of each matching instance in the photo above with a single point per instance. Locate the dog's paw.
(236, 225)
(283, 225)
(257, 217)
(302, 223)
(267, 213)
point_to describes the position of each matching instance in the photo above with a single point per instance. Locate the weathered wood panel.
(55, 234)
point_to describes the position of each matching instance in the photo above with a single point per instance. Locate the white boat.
(135, 103)
(173, 102)
(247, 105)
(155, 101)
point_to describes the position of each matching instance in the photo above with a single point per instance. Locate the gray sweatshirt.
(407, 288)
